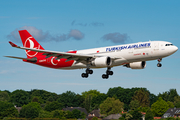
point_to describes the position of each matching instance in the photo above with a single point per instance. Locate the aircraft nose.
(174, 49)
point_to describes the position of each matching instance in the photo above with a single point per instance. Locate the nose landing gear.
(159, 64)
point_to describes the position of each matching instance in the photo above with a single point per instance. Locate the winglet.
(12, 44)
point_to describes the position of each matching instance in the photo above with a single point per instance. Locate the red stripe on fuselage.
(51, 62)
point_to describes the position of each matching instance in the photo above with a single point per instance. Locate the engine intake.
(102, 62)
(136, 65)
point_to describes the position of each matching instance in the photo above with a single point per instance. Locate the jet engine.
(102, 62)
(136, 65)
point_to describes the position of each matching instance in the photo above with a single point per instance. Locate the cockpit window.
(169, 45)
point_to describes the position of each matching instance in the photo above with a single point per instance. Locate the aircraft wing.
(59, 55)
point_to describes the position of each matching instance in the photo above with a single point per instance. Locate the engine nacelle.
(102, 62)
(136, 65)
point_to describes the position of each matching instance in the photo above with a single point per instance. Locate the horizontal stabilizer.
(32, 60)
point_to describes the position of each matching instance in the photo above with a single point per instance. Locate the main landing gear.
(159, 64)
(88, 71)
(108, 72)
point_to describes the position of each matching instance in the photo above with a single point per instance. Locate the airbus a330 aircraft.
(133, 56)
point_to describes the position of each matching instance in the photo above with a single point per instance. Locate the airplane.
(132, 56)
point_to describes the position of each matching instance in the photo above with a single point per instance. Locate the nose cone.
(173, 49)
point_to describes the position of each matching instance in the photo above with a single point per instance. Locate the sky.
(75, 25)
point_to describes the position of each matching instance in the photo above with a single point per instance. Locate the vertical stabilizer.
(29, 42)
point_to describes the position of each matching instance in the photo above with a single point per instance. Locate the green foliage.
(177, 101)
(69, 114)
(124, 95)
(58, 114)
(4, 96)
(97, 100)
(143, 109)
(159, 107)
(53, 106)
(7, 110)
(128, 116)
(37, 99)
(121, 118)
(30, 110)
(19, 98)
(169, 95)
(149, 115)
(45, 114)
(45, 95)
(69, 99)
(142, 96)
(87, 103)
(134, 104)
(136, 115)
(111, 106)
(93, 93)
(153, 98)
(170, 104)
(94, 118)
(76, 113)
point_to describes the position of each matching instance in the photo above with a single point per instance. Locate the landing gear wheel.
(109, 72)
(159, 65)
(104, 76)
(84, 75)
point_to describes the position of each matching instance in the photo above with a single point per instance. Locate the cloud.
(76, 34)
(94, 24)
(45, 36)
(116, 37)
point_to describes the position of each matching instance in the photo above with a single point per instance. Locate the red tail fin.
(29, 42)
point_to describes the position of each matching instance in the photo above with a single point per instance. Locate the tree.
(53, 106)
(124, 95)
(19, 98)
(128, 116)
(37, 99)
(111, 106)
(170, 104)
(45, 114)
(97, 100)
(93, 93)
(153, 98)
(136, 115)
(76, 113)
(159, 107)
(58, 114)
(69, 99)
(4, 96)
(134, 104)
(94, 118)
(30, 110)
(142, 97)
(177, 101)
(69, 114)
(169, 95)
(87, 103)
(7, 110)
(149, 115)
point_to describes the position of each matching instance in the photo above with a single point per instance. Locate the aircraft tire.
(159, 65)
(104, 76)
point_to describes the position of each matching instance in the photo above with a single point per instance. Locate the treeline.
(44, 104)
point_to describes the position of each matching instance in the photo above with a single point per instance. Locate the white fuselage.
(128, 53)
